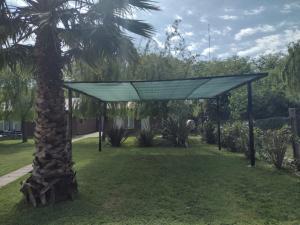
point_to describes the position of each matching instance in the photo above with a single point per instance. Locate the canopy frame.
(131, 85)
(255, 76)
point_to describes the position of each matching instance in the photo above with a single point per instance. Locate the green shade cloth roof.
(179, 89)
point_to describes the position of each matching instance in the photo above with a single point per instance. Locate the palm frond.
(93, 42)
(113, 6)
(16, 55)
(144, 4)
(136, 26)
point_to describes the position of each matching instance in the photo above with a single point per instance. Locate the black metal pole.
(100, 128)
(250, 121)
(70, 112)
(104, 122)
(219, 123)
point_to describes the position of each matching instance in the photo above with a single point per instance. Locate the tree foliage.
(16, 94)
(291, 72)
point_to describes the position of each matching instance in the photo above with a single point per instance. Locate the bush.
(272, 123)
(116, 136)
(176, 130)
(145, 138)
(235, 137)
(275, 145)
(209, 132)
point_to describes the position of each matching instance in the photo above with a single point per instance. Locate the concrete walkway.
(12, 176)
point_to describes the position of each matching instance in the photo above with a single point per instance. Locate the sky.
(237, 27)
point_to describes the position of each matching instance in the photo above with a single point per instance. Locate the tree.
(291, 74)
(17, 93)
(269, 94)
(291, 71)
(54, 33)
(232, 65)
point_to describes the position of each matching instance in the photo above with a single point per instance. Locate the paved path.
(12, 176)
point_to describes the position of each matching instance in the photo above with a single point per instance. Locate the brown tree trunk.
(52, 178)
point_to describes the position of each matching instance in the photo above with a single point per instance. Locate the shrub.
(272, 123)
(145, 138)
(235, 137)
(176, 130)
(275, 144)
(116, 136)
(209, 132)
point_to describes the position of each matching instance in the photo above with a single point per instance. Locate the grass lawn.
(14, 154)
(132, 185)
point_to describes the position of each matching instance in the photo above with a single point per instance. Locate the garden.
(119, 131)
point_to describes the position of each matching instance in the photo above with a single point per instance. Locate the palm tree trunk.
(52, 178)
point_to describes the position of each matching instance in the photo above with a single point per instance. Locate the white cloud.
(265, 45)
(203, 19)
(228, 10)
(215, 32)
(158, 42)
(253, 30)
(291, 35)
(190, 12)
(254, 11)
(169, 29)
(189, 34)
(210, 50)
(271, 44)
(187, 25)
(178, 17)
(193, 46)
(226, 30)
(175, 39)
(289, 7)
(228, 17)
(224, 55)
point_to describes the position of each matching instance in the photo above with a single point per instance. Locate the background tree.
(291, 71)
(17, 93)
(270, 97)
(53, 33)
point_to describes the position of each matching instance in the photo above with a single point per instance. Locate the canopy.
(179, 89)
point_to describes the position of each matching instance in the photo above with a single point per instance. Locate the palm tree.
(51, 34)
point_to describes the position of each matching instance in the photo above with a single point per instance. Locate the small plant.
(176, 130)
(145, 138)
(209, 132)
(275, 144)
(116, 136)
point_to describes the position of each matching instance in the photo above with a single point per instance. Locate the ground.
(132, 185)
(14, 155)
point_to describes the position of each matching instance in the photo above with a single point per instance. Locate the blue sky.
(243, 28)
(238, 27)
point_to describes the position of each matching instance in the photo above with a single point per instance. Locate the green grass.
(131, 185)
(14, 154)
